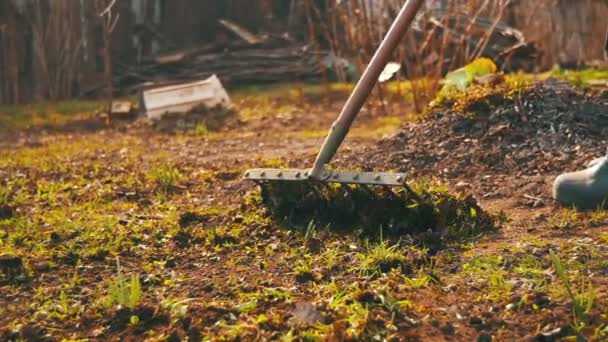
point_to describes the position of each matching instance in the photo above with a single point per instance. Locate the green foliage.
(311, 231)
(581, 78)
(167, 177)
(394, 306)
(201, 130)
(565, 219)
(460, 79)
(80, 200)
(381, 258)
(418, 282)
(123, 291)
(22, 116)
(490, 270)
(583, 299)
(59, 308)
(532, 268)
(304, 265)
(599, 217)
(5, 192)
(247, 306)
(177, 308)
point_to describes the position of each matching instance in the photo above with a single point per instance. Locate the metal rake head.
(327, 176)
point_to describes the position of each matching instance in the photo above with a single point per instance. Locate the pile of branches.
(546, 128)
(468, 38)
(234, 63)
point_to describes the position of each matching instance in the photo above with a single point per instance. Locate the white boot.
(586, 189)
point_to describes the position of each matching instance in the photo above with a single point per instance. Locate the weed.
(582, 300)
(176, 308)
(60, 308)
(247, 306)
(343, 302)
(603, 265)
(123, 292)
(380, 258)
(167, 177)
(201, 130)
(311, 231)
(601, 332)
(331, 258)
(417, 282)
(490, 269)
(598, 217)
(5, 193)
(303, 268)
(394, 306)
(531, 268)
(564, 219)
(279, 294)
(47, 192)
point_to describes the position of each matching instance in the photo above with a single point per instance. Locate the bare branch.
(113, 26)
(108, 9)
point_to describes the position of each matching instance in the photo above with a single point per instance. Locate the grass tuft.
(124, 292)
(167, 177)
(582, 299)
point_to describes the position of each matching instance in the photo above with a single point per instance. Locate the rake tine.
(316, 188)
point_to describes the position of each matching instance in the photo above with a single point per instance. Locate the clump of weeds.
(167, 177)
(427, 214)
(582, 297)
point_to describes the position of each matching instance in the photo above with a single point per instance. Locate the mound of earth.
(546, 128)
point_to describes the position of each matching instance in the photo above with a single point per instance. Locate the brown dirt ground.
(456, 309)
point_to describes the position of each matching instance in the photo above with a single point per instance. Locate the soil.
(204, 243)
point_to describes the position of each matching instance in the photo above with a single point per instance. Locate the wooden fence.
(50, 49)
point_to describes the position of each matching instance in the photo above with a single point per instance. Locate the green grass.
(565, 219)
(167, 177)
(490, 270)
(381, 258)
(582, 297)
(123, 291)
(17, 117)
(581, 78)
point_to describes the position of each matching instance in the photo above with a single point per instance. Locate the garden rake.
(340, 128)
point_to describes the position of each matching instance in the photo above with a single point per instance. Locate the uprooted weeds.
(427, 212)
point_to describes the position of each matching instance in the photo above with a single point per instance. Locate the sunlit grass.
(583, 78)
(13, 117)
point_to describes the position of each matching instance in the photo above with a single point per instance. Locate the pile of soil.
(545, 129)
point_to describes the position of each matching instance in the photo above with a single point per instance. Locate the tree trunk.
(10, 56)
